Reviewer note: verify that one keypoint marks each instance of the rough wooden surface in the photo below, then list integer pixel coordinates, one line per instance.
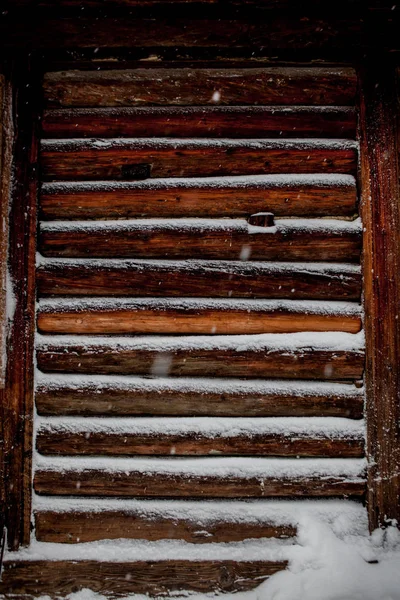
(137, 484)
(53, 441)
(105, 400)
(381, 215)
(87, 161)
(18, 394)
(198, 279)
(185, 87)
(167, 200)
(79, 527)
(158, 578)
(189, 320)
(203, 242)
(204, 121)
(303, 363)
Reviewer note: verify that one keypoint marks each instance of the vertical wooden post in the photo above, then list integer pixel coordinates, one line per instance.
(380, 209)
(18, 392)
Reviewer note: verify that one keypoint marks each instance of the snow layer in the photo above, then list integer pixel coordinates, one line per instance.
(210, 427)
(230, 181)
(324, 307)
(78, 144)
(264, 342)
(98, 383)
(352, 469)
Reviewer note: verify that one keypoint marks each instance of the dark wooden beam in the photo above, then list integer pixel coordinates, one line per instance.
(18, 395)
(380, 209)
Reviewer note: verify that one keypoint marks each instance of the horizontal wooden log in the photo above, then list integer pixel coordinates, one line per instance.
(79, 527)
(205, 121)
(196, 278)
(138, 484)
(35, 578)
(273, 85)
(303, 196)
(202, 357)
(211, 239)
(51, 440)
(194, 316)
(167, 157)
(141, 398)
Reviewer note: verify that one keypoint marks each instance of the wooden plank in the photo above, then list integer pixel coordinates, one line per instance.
(156, 578)
(18, 394)
(197, 278)
(205, 356)
(291, 196)
(185, 87)
(204, 121)
(53, 440)
(381, 215)
(138, 484)
(79, 527)
(335, 241)
(168, 157)
(143, 398)
(194, 316)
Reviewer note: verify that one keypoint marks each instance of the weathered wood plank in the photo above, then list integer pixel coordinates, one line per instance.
(205, 121)
(17, 401)
(292, 196)
(273, 85)
(381, 215)
(158, 578)
(78, 527)
(194, 316)
(168, 157)
(53, 440)
(335, 241)
(138, 484)
(251, 356)
(180, 398)
(201, 279)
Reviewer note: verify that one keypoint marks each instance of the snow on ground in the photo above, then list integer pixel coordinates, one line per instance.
(334, 559)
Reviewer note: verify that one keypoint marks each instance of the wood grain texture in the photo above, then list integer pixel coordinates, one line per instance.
(18, 394)
(136, 484)
(202, 242)
(166, 199)
(158, 578)
(381, 215)
(79, 527)
(128, 320)
(302, 363)
(113, 401)
(273, 85)
(71, 161)
(53, 442)
(193, 279)
(204, 121)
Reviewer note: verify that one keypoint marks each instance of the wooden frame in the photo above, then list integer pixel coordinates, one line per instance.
(379, 135)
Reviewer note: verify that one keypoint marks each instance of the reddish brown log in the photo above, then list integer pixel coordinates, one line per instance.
(202, 242)
(273, 85)
(106, 400)
(165, 199)
(302, 363)
(159, 578)
(380, 173)
(57, 442)
(205, 121)
(79, 527)
(198, 279)
(191, 321)
(86, 160)
(137, 484)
